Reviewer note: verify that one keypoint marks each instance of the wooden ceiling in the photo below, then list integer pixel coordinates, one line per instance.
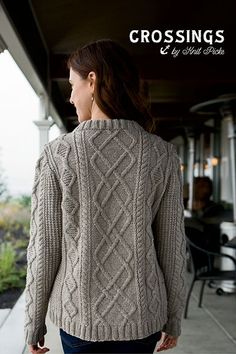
(51, 29)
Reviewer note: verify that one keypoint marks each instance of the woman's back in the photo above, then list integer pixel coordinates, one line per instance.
(107, 246)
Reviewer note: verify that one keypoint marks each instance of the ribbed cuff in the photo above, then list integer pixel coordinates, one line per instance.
(173, 327)
(33, 336)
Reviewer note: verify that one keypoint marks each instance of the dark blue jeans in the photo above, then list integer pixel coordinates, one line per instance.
(75, 345)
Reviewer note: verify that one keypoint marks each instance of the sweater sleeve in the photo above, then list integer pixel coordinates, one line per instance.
(44, 248)
(170, 242)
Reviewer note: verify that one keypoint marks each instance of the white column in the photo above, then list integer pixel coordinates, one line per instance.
(232, 140)
(43, 123)
(44, 126)
(201, 153)
(191, 171)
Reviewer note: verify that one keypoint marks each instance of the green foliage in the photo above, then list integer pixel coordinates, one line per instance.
(15, 215)
(24, 200)
(7, 258)
(3, 185)
(10, 276)
(21, 244)
(14, 238)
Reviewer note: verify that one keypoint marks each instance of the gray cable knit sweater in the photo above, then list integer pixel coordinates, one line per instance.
(106, 254)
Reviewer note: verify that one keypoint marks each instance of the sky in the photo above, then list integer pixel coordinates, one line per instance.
(19, 136)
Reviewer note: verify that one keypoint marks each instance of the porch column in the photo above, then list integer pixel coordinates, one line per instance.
(232, 140)
(191, 154)
(43, 123)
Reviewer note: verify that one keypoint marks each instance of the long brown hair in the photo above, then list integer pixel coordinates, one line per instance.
(117, 92)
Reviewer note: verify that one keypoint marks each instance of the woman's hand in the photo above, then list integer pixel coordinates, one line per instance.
(34, 348)
(167, 343)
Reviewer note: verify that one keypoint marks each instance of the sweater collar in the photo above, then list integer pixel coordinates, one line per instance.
(109, 124)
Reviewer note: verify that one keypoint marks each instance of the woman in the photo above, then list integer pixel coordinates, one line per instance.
(107, 245)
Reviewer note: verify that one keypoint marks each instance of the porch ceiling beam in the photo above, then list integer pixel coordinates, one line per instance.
(156, 68)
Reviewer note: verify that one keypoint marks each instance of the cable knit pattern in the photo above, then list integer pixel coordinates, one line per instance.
(106, 255)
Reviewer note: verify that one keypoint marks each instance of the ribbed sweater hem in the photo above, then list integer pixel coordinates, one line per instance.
(99, 333)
